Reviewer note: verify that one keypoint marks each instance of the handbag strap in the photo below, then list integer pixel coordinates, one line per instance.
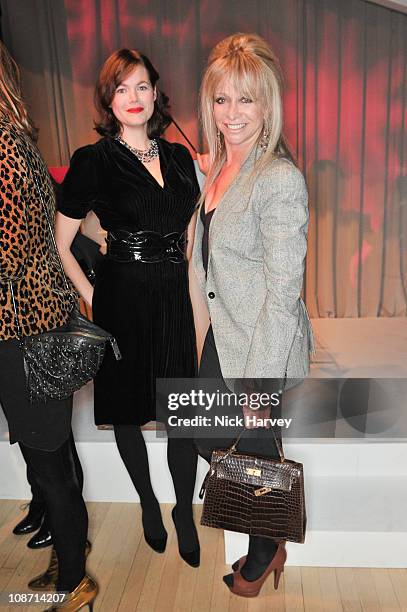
(28, 156)
(233, 447)
(17, 322)
(50, 230)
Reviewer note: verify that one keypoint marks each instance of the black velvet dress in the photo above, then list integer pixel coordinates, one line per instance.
(146, 306)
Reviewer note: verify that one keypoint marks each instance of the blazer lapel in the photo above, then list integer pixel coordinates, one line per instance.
(227, 204)
(234, 198)
(197, 250)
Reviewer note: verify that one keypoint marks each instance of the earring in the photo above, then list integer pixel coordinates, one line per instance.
(218, 141)
(264, 140)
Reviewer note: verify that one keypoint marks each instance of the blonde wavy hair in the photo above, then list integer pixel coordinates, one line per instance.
(12, 106)
(249, 65)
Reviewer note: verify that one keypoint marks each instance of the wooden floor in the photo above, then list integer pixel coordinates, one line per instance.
(132, 577)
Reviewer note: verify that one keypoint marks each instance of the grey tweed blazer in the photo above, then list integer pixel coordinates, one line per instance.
(257, 247)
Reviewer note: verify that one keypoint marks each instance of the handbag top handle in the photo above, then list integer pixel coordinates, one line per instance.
(233, 448)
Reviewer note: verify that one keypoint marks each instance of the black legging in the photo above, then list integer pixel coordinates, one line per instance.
(58, 476)
(43, 430)
(254, 441)
(37, 495)
(261, 550)
(182, 460)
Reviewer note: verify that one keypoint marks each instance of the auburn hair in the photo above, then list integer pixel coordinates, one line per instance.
(113, 72)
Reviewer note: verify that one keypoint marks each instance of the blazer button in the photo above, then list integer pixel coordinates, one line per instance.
(211, 295)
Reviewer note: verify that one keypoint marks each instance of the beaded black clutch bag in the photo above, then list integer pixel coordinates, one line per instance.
(59, 362)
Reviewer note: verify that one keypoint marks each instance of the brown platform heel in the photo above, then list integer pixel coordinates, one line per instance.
(244, 588)
(47, 580)
(84, 595)
(240, 562)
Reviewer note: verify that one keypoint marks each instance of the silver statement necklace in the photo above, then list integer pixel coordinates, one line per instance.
(146, 156)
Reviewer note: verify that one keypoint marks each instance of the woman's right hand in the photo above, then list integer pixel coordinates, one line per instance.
(89, 297)
(65, 231)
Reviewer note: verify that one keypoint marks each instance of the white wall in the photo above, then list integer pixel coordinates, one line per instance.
(396, 5)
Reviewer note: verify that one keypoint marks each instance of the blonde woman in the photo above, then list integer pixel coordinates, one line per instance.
(249, 251)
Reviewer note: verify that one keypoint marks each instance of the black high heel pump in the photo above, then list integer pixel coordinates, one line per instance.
(192, 557)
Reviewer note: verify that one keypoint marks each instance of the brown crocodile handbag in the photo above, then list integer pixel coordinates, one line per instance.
(255, 495)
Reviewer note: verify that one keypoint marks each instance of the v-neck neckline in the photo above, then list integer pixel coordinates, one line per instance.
(164, 186)
(251, 156)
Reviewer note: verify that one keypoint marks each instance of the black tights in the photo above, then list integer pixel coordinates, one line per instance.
(37, 494)
(261, 550)
(58, 476)
(261, 442)
(182, 460)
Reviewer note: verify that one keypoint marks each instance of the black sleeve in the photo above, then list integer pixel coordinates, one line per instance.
(80, 189)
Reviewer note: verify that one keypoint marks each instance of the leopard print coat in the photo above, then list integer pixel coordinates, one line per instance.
(26, 255)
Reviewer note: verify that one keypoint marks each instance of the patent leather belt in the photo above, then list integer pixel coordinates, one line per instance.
(146, 246)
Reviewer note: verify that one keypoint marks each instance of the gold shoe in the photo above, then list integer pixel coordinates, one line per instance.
(84, 595)
(47, 580)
